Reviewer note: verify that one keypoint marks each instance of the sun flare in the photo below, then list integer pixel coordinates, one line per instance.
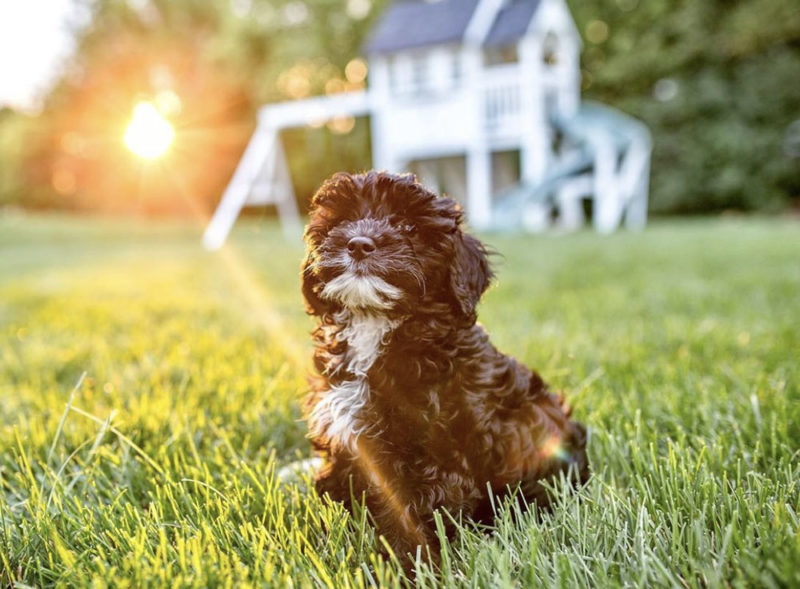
(149, 134)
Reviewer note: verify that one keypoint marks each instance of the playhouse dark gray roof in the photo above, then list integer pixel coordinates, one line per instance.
(511, 23)
(416, 23)
(407, 24)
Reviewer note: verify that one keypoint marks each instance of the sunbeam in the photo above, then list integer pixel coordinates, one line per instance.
(257, 297)
(398, 505)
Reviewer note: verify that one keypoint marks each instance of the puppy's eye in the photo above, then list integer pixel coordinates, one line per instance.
(402, 224)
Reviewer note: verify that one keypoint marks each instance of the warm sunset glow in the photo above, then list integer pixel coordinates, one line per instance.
(149, 134)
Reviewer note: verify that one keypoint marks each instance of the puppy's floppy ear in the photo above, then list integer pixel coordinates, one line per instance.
(470, 273)
(311, 285)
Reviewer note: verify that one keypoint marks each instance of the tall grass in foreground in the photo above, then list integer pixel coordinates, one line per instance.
(679, 347)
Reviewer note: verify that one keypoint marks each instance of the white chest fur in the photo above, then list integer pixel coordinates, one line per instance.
(338, 413)
(365, 335)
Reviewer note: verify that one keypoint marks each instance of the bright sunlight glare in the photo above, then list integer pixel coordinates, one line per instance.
(149, 134)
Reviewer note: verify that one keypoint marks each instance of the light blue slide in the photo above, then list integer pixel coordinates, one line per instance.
(593, 128)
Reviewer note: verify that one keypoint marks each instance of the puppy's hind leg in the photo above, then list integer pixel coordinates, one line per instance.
(567, 456)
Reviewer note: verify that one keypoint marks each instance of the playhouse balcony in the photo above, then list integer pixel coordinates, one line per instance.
(502, 104)
(426, 124)
(496, 109)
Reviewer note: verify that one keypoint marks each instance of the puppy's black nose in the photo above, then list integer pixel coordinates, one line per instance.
(360, 247)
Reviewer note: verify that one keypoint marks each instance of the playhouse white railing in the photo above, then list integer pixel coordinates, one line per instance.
(502, 100)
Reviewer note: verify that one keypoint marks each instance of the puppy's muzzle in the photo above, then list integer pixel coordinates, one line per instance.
(360, 247)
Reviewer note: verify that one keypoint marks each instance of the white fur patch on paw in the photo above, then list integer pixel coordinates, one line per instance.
(296, 471)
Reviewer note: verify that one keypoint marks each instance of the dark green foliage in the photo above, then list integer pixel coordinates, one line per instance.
(733, 69)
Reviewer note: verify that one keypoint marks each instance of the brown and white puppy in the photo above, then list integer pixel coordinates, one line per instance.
(414, 409)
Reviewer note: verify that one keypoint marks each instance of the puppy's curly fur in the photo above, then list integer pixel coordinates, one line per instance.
(414, 409)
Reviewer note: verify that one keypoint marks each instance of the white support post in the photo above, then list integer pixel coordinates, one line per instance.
(379, 91)
(479, 188)
(535, 140)
(286, 202)
(636, 213)
(479, 159)
(569, 196)
(607, 199)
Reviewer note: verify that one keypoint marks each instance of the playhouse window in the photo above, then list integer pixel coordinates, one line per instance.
(550, 49)
(501, 55)
(391, 66)
(455, 68)
(401, 74)
(420, 74)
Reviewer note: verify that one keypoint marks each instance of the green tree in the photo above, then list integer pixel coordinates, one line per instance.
(717, 81)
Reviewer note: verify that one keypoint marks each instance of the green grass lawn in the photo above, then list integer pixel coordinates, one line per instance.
(678, 347)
